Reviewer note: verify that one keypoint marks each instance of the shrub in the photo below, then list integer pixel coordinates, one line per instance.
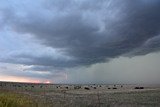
(86, 88)
(139, 88)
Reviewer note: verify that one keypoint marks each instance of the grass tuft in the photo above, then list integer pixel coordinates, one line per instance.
(8, 99)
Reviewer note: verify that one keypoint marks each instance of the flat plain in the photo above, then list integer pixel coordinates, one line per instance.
(14, 94)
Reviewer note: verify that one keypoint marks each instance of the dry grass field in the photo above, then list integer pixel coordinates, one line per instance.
(58, 95)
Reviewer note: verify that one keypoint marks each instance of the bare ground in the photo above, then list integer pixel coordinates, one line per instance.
(101, 96)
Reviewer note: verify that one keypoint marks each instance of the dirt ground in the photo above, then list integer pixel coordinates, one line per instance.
(92, 95)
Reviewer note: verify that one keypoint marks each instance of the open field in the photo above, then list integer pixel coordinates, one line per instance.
(58, 95)
(12, 99)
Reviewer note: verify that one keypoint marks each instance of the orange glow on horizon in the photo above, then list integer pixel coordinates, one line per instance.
(48, 82)
(22, 79)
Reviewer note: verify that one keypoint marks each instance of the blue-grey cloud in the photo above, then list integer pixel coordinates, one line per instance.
(25, 72)
(88, 32)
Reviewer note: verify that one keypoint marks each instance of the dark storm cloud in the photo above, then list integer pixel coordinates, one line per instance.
(151, 45)
(30, 74)
(45, 61)
(40, 68)
(24, 72)
(91, 31)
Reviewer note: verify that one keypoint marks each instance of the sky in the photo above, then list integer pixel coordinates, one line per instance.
(80, 41)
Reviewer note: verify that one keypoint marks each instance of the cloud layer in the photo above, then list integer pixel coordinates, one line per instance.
(80, 32)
